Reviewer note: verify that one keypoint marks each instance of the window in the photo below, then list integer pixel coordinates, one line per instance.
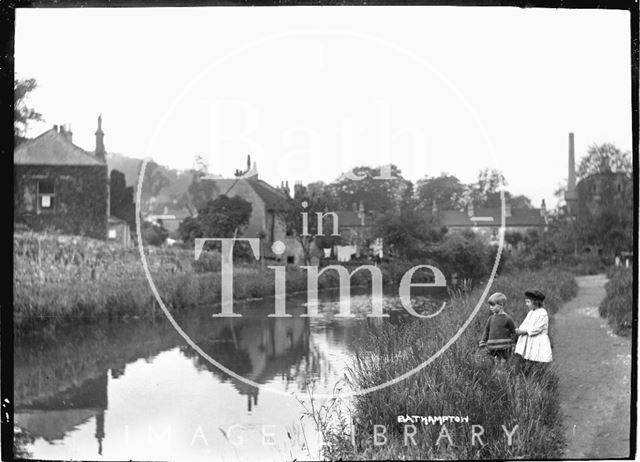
(46, 195)
(112, 234)
(290, 259)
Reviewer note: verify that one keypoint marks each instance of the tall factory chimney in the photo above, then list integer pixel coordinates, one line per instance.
(571, 196)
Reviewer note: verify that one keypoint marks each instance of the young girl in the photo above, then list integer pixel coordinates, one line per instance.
(533, 342)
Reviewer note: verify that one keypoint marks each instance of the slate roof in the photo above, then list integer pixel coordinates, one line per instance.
(52, 148)
(519, 217)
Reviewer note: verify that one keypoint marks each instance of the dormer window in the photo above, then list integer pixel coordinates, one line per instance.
(46, 195)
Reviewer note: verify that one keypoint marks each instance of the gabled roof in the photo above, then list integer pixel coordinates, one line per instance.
(52, 148)
(492, 218)
(273, 198)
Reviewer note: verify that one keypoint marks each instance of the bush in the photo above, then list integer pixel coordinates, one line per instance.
(463, 254)
(617, 306)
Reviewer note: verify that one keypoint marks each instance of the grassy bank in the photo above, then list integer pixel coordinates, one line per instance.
(617, 306)
(461, 382)
(67, 279)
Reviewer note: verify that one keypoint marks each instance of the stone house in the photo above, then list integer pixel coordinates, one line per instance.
(60, 186)
(268, 208)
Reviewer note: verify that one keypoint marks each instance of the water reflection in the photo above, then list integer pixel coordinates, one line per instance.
(110, 390)
(52, 418)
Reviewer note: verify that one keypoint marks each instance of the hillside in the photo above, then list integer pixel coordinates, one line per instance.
(173, 190)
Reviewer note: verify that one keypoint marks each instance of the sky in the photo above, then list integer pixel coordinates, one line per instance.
(311, 92)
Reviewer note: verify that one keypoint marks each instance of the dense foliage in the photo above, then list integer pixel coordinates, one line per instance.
(617, 305)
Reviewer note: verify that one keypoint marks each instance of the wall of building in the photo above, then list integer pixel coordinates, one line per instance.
(119, 233)
(81, 199)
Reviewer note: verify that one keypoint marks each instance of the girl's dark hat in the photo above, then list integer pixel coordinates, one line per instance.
(534, 295)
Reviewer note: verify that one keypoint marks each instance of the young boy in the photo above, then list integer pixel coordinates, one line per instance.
(500, 329)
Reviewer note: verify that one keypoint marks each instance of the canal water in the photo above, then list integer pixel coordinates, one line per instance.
(136, 390)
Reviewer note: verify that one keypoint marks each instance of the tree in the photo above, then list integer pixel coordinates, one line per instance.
(224, 216)
(23, 114)
(606, 219)
(201, 191)
(446, 190)
(153, 234)
(376, 194)
(309, 200)
(489, 183)
(200, 164)
(189, 230)
(520, 201)
(604, 158)
(121, 198)
(154, 181)
(406, 232)
(463, 254)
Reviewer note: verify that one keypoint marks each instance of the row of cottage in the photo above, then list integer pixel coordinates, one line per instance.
(60, 186)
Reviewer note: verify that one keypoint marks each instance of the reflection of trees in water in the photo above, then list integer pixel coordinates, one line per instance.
(254, 346)
(45, 367)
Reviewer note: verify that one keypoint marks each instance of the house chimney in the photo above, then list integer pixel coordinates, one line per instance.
(470, 209)
(543, 208)
(100, 151)
(70, 134)
(55, 127)
(248, 162)
(66, 133)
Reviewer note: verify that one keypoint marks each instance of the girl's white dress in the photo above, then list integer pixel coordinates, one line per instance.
(535, 346)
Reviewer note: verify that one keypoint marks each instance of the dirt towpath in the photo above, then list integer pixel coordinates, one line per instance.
(595, 376)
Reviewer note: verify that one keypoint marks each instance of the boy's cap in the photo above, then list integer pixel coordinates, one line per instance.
(498, 298)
